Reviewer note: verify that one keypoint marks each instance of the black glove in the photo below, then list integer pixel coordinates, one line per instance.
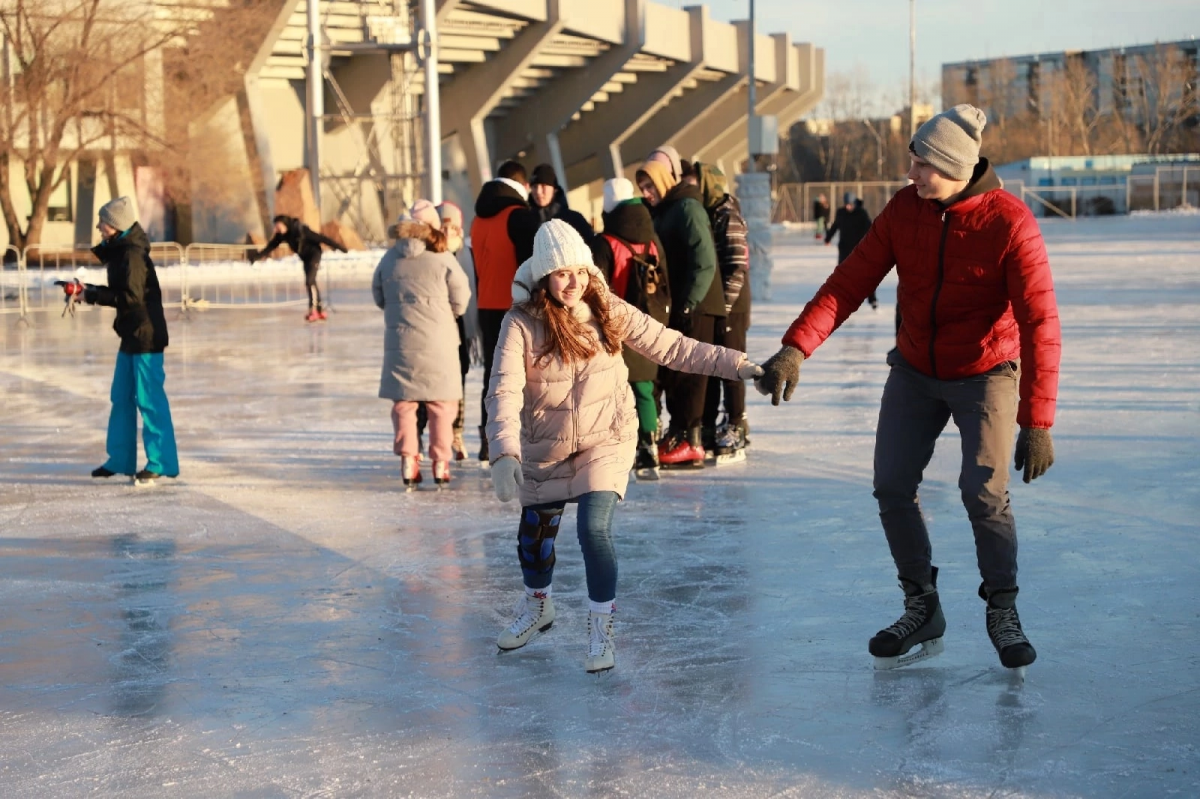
(683, 321)
(90, 294)
(253, 256)
(781, 373)
(1035, 452)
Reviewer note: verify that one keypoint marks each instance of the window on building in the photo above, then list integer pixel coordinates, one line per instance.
(61, 209)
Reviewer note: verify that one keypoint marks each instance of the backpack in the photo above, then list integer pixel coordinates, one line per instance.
(648, 289)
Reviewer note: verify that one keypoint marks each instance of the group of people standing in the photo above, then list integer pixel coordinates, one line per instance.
(579, 329)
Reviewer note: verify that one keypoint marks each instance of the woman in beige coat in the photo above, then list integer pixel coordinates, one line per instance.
(561, 420)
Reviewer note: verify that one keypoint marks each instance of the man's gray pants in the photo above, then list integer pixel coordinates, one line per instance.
(914, 411)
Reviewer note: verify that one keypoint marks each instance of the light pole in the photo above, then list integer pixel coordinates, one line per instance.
(750, 130)
(912, 69)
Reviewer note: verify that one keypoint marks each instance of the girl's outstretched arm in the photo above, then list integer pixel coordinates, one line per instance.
(506, 391)
(671, 348)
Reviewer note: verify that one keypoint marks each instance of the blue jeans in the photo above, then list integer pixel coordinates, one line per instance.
(594, 527)
(138, 386)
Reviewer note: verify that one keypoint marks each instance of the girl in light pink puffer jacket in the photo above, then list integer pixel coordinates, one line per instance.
(561, 420)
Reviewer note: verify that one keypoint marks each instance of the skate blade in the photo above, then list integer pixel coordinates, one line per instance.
(646, 474)
(536, 634)
(929, 649)
(681, 466)
(733, 457)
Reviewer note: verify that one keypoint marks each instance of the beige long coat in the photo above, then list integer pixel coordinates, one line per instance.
(574, 426)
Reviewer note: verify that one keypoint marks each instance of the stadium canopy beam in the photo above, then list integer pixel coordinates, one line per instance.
(769, 100)
(647, 113)
(477, 91)
(535, 124)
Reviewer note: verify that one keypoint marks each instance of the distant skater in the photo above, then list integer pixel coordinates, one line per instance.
(306, 243)
(821, 215)
(850, 225)
(138, 382)
(562, 426)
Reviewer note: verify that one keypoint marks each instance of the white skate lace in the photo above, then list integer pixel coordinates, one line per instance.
(529, 611)
(1004, 627)
(914, 616)
(727, 438)
(599, 637)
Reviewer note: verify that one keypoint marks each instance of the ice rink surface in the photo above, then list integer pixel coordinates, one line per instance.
(285, 621)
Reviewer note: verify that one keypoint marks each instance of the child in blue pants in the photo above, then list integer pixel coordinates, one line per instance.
(139, 377)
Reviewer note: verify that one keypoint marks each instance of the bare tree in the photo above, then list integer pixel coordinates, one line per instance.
(1166, 99)
(66, 65)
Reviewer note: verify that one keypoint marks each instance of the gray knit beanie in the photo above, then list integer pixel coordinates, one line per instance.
(119, 214)
(950, 141)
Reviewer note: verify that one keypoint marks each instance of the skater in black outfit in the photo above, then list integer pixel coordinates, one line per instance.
(850, 225)
(306, 243)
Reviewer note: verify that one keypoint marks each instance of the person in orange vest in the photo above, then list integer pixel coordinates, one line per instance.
(501, 240)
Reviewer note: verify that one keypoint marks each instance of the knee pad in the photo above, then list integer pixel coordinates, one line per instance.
(535, 539)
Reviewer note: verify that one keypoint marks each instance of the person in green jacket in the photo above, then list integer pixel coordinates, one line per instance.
(698, 301)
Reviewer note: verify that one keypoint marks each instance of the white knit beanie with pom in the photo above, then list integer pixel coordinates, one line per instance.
(557, 245)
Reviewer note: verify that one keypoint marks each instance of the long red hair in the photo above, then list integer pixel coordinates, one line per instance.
(566, 336)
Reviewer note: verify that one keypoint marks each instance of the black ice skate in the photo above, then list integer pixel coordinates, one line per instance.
(1004, 628)
(731, 444)
(645, 464)
(922, 623)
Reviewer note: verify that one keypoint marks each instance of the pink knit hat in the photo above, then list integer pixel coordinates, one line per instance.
(451, 211)
(427, 212)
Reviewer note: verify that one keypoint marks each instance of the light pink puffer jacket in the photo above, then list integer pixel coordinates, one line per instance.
(574, 426)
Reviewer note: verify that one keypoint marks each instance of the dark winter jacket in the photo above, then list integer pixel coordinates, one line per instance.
(558, 209)
(729, 238)
(820, 210)
(133, 290)
(975, 290)
(628, 227)
(683, 226)
(303, 240)
(851, 226)
(501, 240)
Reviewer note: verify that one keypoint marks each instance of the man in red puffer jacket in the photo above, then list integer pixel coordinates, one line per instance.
(979, 342)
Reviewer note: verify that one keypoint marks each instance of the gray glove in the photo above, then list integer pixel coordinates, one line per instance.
(1035, 452)
(781, 373)
(506, 476)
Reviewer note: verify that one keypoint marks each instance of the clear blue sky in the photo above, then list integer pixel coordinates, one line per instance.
(873, 34)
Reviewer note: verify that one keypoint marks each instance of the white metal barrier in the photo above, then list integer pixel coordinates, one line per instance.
(221, 276)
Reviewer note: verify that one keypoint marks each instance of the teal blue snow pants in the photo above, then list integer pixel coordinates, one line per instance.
(138, 386)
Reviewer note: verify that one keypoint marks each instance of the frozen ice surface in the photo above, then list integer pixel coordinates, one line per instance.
(284, 620)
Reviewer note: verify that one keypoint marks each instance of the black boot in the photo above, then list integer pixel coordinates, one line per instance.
(922, 623)
(483, 445)
(1004, 628)
(645, 464)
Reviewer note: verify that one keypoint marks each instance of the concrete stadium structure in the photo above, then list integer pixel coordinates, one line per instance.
(588, 86)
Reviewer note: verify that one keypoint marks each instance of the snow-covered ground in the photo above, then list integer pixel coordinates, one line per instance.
(283, 620)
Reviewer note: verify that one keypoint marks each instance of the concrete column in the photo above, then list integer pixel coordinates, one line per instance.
(754, 194)
(468, 100)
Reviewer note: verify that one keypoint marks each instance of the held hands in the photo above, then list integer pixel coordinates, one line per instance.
(1035, 452)
(506, 476)
(781, 373)
(748, 370)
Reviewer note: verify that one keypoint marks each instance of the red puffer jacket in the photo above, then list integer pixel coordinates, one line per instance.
(975, 290)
